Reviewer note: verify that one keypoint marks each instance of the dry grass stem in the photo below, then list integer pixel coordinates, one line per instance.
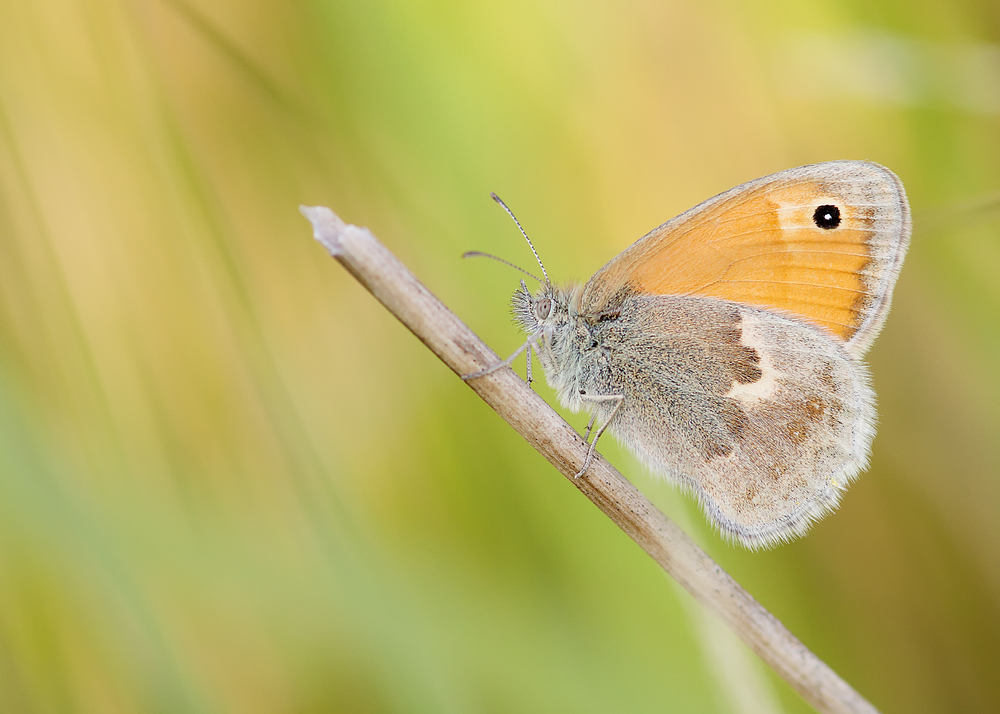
(459, 348)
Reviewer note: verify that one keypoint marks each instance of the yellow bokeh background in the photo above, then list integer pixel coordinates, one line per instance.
(231, 482)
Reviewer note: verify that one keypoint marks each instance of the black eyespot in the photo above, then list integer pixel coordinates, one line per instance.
(543, 308)
(583, 391)
(827, 216)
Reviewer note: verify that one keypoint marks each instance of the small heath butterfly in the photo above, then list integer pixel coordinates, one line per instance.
(724, 347)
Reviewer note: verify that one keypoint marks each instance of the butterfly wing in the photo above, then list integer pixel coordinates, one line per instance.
(823, 242)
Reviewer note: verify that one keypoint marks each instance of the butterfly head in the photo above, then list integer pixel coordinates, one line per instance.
(544, 311)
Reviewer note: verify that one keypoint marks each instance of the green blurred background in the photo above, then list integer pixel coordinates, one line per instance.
(231, 482)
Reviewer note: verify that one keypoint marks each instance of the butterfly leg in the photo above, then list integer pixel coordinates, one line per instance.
(528, 369)
(617, 399)
(531, 341)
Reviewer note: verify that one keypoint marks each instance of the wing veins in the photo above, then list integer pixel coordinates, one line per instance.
(792, 282)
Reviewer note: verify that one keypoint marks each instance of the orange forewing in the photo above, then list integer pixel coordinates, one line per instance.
(759, 244)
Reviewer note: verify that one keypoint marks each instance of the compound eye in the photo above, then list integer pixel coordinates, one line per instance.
(543, 308)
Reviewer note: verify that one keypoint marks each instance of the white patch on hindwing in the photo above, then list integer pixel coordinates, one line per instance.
(765, 387)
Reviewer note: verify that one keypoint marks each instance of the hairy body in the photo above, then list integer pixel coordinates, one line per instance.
(761, 415)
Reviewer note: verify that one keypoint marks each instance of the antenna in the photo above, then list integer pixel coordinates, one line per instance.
(480, 254)
(511, 214)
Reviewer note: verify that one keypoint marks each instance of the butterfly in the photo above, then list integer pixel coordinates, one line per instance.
(724, 347)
